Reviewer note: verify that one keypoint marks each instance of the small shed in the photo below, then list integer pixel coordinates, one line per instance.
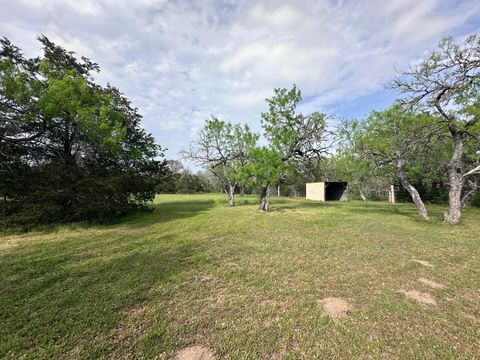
(327, 191)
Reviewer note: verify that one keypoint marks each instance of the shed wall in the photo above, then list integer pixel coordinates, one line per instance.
(316, 191)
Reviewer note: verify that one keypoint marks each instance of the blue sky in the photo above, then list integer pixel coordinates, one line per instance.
(180, 61)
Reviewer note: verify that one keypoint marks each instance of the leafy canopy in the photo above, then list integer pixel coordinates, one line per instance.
(70, 149)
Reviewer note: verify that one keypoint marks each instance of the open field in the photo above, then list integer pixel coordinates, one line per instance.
(245, 284)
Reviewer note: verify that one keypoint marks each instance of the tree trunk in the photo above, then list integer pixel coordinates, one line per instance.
(362, 196)
(263, 199)
(455, 179)
(467, 198)
(231, 194)
(242, 190)
(417, 200)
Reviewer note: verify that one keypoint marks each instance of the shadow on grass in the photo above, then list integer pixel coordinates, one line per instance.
(154, 214)
(352, 207)
(65, 295)
(168, 211)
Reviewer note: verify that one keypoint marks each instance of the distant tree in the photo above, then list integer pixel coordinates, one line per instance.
(476, 200)
(69, 148)
(178, 179)
(389, 139)
(168, 180)
(296, 175)
(176, 166)
(448, 81)
(265, 166)
(210, 183)
(189, 183)
(222, 149)
(472, 190)
(361, 174)
(292, 137)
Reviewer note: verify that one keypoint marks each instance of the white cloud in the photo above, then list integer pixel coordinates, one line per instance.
(281, 16)
(180, 61)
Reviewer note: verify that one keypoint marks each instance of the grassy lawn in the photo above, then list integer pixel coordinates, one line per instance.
(244, 284)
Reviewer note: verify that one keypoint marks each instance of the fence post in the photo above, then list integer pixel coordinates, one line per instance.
(391, 194)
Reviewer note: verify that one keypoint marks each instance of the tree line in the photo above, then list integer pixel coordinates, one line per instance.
(430, 137)
(178, 179)
(71, 149)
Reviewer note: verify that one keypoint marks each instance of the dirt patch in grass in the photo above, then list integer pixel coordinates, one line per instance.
(194, 353)
(335, 307)
(432, 284)
(423, 262)
(422, 298)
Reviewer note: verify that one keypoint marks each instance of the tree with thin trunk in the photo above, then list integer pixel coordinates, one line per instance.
(448, 81)
(390, 141)
(222, 149)
(265, 167)
(292, 137)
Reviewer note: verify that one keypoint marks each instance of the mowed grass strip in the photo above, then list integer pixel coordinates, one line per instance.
(245, 284)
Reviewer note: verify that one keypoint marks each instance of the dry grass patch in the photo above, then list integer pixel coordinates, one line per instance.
(420, 297)
(194, 353)
(335, 307)
(432, 284)
(423, 262)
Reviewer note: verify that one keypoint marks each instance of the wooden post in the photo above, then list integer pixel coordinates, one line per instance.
(391, 194)
(278, 190)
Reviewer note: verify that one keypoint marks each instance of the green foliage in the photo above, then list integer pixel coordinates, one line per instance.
(476, 201)
(230, 151)
(189, 183)
(385, 135)
(264, 168)
(293, 140)
(397, 136)
(293, 135)
(69, 148)
(448, 81)
(222, 148)
(177, 179)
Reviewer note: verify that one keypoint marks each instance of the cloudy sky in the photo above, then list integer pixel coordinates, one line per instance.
(180, 61)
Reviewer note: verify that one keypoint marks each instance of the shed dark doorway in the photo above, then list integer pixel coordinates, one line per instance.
(336, 191)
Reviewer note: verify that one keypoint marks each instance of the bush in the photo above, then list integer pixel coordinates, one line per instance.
(476, 201)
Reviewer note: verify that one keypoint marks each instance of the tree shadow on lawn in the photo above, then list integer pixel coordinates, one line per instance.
(435, 211)
(64, 297)
(357, 207)
(154, 214)
(168, 211)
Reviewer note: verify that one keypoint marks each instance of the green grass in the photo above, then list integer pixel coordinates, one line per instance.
(245, 284)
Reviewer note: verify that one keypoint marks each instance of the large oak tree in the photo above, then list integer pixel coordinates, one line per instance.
(70, 149)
